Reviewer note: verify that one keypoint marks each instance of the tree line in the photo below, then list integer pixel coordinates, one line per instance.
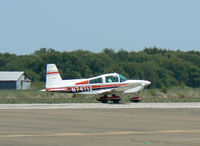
(160, 66)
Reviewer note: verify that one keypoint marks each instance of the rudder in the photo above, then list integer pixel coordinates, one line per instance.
(53, 77)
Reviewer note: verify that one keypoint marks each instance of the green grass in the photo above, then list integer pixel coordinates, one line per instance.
(31, 96)
(175, 94)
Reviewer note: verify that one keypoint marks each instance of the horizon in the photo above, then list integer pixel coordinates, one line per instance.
(114, 50)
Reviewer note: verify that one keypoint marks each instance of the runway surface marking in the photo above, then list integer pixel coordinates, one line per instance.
(40, 134)
(145, 141)
(150, 141)
(100, 105)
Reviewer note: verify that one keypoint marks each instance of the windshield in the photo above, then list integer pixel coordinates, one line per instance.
(122, 78)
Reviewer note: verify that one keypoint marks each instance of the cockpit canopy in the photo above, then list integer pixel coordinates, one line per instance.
(96, 80)
(112, 78)
(108, 78)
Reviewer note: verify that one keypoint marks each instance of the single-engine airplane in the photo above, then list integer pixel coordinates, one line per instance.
(104, 85)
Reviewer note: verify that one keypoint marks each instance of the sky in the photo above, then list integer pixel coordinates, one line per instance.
(66, 25)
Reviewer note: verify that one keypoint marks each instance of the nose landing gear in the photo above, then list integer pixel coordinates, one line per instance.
(136, 99)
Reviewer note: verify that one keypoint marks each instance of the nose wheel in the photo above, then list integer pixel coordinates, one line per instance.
(136, 99)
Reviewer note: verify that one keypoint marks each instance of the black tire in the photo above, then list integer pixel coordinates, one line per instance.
(116, 101)
(136, 101)
(104, 101)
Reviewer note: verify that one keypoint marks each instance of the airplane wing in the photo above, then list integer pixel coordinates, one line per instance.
(129, 88)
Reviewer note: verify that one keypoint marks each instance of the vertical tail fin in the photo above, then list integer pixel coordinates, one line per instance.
(53, 77)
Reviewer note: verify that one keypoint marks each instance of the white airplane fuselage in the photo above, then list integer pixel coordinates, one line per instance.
(90, 85)
(112, 83)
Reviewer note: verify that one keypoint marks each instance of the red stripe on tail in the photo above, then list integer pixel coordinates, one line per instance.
(52, 72)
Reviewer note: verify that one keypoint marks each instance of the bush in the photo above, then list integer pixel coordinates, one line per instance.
(164, 89)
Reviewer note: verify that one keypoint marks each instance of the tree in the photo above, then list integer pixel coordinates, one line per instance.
(164, 68)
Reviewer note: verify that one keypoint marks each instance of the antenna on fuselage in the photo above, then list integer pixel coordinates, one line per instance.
(79, 75)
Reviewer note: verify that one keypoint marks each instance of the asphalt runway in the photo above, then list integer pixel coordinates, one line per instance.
(100, 127)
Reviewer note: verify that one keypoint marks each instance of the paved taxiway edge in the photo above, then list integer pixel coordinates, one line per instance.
(99, 105)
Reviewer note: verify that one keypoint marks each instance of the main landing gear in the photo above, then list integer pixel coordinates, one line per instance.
(116, 99)
(103, 99)
(113, 98)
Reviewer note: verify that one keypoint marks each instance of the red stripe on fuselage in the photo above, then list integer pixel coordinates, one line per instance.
(107, 86)
(83, 82)
(93, 87)
(52, 72)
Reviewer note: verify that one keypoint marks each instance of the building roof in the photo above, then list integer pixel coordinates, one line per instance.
(10, 75)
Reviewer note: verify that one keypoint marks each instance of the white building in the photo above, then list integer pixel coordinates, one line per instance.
(14, 80)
